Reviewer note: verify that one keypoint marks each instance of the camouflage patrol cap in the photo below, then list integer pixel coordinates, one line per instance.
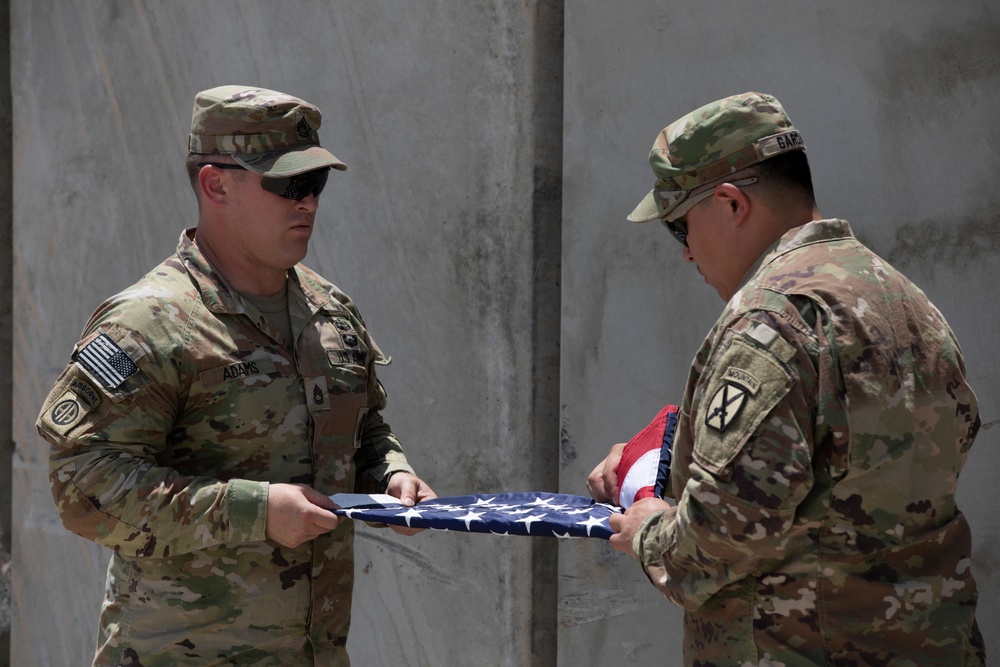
(711, 143)
(269, 133)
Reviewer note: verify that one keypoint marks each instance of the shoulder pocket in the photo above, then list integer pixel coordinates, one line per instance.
(104, 375)
(748, 382)
(72, 398)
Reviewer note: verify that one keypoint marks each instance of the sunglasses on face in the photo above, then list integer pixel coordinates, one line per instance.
(296, 187)
(678, 228)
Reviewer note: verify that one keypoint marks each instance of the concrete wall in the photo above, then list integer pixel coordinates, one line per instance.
(897, 104)
(480, 227)
(6, 331)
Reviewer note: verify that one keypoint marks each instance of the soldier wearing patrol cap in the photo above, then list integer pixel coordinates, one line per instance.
(825, 422)
(210, 410)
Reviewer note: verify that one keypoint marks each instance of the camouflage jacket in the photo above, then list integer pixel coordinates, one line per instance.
(179, 407)
(823, 428)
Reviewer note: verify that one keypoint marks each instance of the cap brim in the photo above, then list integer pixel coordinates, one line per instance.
(289, 162)
(648, 209)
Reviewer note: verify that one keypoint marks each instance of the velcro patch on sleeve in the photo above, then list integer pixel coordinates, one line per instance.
(748, 384)
(66, 412)
(106, 362)
(86, 392)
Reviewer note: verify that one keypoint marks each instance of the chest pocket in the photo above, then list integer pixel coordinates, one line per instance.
(347, 356)
(336, 380)
(749, 380)
(342, 383)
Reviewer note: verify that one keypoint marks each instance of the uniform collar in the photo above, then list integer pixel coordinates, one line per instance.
(815, 231)
(219, 297)
(215, 292)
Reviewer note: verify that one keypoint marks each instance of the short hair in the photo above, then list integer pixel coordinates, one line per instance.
(788, 173)
(191, 165)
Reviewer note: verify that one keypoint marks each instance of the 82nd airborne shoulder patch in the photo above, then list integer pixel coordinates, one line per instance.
(74, 404)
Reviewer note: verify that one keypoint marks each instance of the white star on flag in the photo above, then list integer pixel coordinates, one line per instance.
(527, 521)
(590, 523)
(410, 513)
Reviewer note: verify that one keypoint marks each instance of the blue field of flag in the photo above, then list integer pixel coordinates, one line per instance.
(523, 513)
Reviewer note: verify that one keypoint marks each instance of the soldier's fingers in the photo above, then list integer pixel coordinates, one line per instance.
(595, 483)
(424, 491)
(325, 521)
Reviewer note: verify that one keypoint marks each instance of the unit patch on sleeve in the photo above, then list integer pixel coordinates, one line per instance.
(78, 400)
(745, 385)
(86, 392)
(744, 379)
(729, 399)
(725, 406)
(106, 362)
(66, 411)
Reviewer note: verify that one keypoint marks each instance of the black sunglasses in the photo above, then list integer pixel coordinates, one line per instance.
(679, 229)
(296, 187)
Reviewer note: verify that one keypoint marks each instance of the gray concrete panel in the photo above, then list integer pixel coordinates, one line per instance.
(6, 335)
(897, 104)
(440, 230)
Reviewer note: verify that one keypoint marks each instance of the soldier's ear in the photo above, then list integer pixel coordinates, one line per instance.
(736, 201)
(213, 183)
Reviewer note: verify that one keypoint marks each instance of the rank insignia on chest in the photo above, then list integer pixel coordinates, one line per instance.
(725, 406)
(316, 393)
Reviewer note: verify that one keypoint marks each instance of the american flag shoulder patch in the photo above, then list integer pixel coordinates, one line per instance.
(106, 362)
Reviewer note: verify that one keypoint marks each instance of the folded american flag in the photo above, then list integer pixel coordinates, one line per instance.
(644, 469)
(643, 472)
(523, 513)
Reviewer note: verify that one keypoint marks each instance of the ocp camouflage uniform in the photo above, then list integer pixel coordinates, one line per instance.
(180, 406)
(823, 428)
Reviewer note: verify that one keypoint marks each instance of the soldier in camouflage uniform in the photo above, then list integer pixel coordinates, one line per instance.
(210, 409)
(823, 428)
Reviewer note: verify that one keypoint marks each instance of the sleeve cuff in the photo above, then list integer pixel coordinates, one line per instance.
(371, 481)
(639, 548)
(247, 503)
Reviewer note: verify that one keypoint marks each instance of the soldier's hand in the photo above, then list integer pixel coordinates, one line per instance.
(602, 482)
(297, 513)
(627, 524)
(410, 490)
